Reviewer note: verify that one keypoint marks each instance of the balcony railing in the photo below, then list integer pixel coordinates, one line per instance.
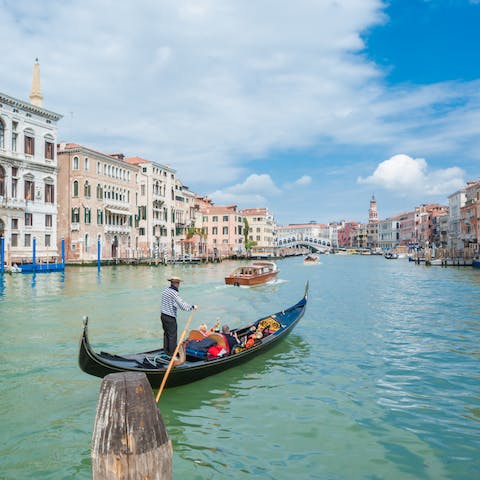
(12, 202)
(74, 227)
(117, 229)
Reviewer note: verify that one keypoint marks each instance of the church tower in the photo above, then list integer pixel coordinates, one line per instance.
(36, 95)
(373, 212)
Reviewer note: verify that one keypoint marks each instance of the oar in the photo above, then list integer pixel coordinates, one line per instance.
(172, 360)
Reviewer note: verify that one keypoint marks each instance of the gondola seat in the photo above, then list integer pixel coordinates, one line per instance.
(220, 340)
(195, 335)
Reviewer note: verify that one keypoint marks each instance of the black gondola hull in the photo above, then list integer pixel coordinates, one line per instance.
(102, 364)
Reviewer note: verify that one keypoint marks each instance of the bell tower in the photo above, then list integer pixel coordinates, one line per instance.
(373, 212)
(36, 95)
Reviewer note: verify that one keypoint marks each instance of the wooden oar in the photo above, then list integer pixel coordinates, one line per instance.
(172, 360)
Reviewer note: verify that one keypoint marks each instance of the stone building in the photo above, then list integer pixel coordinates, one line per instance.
(469, 214)
(97, 202)
(222, 228)
(155, 208)
(261, 224)
(28, 177)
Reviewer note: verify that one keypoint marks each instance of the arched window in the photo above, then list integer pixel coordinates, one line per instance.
(99, 192)
(75, 188)
(86, 189)
(75, 215)
(75, 163)
(2, 179)
(2, 135)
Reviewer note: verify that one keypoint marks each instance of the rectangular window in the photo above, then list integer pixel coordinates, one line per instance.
(29, 145)
(49, 150)
(99, 217)
(29, 190)
(48, 220)
(14, 141)
(14, 187)
(27, 240)
(141, 231)
(225, 230)
(47, 240)
(214, 218)
(225, 218)
(214, 230)
(28, 219)
(14, 240)
(49, 193)
(86, 215)
(14, 223)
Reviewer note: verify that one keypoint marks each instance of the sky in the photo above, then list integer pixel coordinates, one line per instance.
(307, 108)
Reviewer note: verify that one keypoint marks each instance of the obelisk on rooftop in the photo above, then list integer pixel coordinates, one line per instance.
(36, 95)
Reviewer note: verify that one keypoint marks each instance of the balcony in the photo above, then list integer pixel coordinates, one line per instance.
(14, 203)
(121, 229)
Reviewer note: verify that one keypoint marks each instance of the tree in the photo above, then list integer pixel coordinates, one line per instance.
(246, 230)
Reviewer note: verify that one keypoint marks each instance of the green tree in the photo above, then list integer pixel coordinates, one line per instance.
(246, 230)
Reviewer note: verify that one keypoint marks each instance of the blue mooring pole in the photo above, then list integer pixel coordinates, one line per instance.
(2, 255)
(98, 254)
(34, 254)
(63, 252)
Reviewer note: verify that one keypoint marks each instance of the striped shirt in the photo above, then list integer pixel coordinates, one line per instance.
(171, 301)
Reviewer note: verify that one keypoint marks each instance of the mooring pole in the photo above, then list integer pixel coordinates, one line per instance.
(129, 440)
(34, 255)
(2, 255)
(98, 254)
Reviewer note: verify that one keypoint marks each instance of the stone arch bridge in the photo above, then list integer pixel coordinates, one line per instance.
(314, 243)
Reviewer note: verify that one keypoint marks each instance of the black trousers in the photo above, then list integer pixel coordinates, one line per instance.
(169, 333)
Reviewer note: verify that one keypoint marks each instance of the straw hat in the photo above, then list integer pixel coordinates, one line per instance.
(175, 280)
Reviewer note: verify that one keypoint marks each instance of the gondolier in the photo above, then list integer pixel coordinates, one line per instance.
(171, 301)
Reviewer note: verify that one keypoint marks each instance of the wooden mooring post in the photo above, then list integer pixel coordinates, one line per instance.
(129, 439)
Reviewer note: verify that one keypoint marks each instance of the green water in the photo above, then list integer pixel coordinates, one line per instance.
(380, 380)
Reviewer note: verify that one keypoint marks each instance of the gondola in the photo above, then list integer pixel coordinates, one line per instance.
(196, 365)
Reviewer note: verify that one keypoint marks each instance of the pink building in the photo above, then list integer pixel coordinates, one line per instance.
(223, 229)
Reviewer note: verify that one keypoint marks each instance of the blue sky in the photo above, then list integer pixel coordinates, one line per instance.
(305, 107)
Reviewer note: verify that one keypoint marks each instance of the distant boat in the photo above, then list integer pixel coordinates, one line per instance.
(187, 259)
(253, 274)
(310, 259)
(391, 255)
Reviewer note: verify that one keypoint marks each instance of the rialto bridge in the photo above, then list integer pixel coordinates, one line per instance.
(313, 243)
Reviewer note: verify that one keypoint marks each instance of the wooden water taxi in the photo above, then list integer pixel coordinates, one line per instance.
(253, 274)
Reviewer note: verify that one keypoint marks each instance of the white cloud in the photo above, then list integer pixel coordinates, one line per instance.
(213, 87)
(404, 174)
(304, 180)
(254, 191)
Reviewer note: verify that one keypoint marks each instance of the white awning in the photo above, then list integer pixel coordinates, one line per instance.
(118, 211)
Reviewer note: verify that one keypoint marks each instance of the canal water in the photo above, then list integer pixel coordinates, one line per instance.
(380, 379)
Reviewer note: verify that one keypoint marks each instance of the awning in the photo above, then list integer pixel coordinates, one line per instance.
(118, 211)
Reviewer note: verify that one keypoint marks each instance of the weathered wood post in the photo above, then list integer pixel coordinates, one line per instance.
(129, 439)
